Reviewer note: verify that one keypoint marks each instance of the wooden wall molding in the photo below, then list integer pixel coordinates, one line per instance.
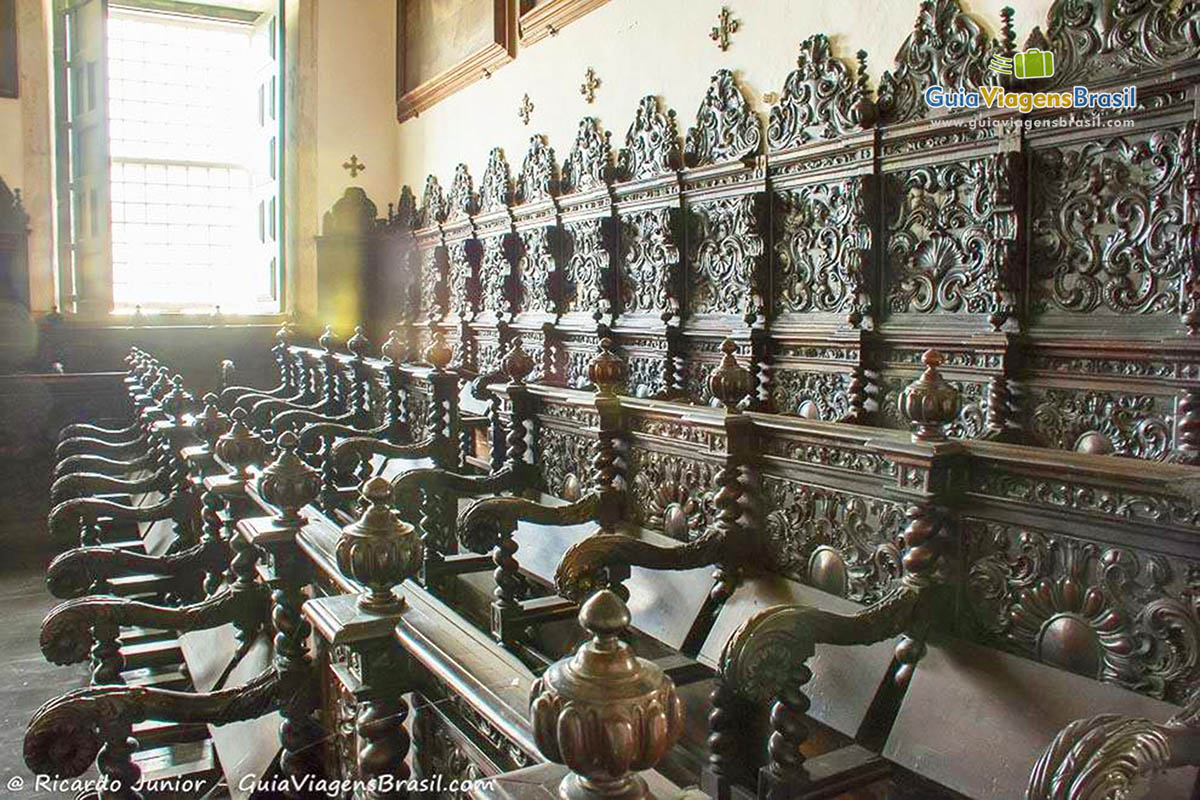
(548, 18)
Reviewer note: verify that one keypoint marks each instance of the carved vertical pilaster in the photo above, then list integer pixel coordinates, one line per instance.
(1187, 428)
(298, 733)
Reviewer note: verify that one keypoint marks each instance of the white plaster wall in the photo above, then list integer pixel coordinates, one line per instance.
(355, 99)
(640, 47)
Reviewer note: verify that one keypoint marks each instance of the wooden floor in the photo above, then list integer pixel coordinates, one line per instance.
(26, 679)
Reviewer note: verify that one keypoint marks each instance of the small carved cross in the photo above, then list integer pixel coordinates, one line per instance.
(589, 85)
(354, 165)
(720, 34)
(526, 109)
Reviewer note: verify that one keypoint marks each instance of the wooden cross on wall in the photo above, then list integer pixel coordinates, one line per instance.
(728, 25)
(354, 165)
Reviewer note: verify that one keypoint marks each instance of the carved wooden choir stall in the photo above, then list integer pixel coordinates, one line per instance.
(852, 458)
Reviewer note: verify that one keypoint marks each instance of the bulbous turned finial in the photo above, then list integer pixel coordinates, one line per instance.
(358, 344)
(210, 424)
(606, 370)
(730, 382)
(284, 335)
(930, 401)
(379, 550)
(162, 384)
(437, 354)
(394, 349)
(328, 340)
(604, 712)
(288, 483)
(517, 364)
(239, 447)
(177, 401)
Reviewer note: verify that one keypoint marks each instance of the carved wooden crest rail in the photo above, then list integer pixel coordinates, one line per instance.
(1055, 265)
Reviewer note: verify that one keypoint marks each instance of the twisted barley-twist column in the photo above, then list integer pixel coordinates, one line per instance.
(296, 734)
(119, 773)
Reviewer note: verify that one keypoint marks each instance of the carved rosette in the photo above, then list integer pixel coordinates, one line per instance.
(820, 100)
(240, 447)
(588, 165)
(288, 483)
(947, 48)
(930, 401)
(726, 129)
(379, 550)
(651, 144)
(604, 712)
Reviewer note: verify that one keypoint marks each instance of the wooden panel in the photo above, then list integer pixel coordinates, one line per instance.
(445, 46)
(963, 695)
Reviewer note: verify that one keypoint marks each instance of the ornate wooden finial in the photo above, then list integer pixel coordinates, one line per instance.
(606, 370)
(239, 447)
(438, 355)
(379, 550)
(211, 424)
(517, 364)
(730, 382)
(177, 401)
(605, 713)
(328, 339)
(394, 349)
(358, 344)
(930, 401)
(288, 483)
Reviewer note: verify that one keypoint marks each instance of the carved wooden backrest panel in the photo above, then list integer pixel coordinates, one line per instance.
(1057, 267)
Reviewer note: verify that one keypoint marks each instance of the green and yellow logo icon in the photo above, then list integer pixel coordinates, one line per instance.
(1032, 63)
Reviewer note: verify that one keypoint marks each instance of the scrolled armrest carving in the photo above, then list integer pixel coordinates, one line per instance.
(71, 574)
(309, 417)
(84, 445)
(363, 447)
(69, 511)
(77, 484)
(65, 735)
(103, 465)
(479, 524)
(66, 636)
(762, 653)
(582, 570)
(434, 478)
(1110, 756)
(96, 432)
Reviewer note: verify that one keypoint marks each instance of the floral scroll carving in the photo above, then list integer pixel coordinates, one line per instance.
(726, 256)
(1106, 218)
(538, 180)
(495, 192)
(1123, 616)
(1097, 41)
(945, 254)
(812, 395)
(565, 459)
(461, 200)
(726, 128)
(537, 266)
(587, 167)
(433, 204)
(1102, 423)
(588, 266)
(651, 145)
(947, 48)
(649, 263)
(820, 100)
(841, 543)
(822, 244)
(671, 494)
